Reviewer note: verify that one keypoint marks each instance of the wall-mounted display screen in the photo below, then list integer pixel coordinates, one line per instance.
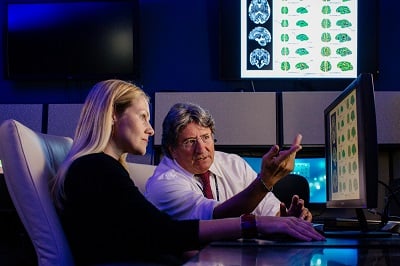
(72, 40)
(299, 39)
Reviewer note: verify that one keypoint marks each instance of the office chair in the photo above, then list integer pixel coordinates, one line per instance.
(290, 185)
(29, 160)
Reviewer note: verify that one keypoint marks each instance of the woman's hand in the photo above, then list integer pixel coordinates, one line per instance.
(294, 227)
(277, 164)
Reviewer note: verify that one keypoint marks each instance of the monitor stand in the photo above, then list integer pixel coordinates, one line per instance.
(362, 220)
(363, 232)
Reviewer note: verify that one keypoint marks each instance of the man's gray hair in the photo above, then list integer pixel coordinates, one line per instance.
(178, 117)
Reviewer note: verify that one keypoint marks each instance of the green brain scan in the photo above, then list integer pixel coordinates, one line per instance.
(302, 51)
(301, 66)
(326, 66)
(285, 66)
(343, 37)
(326, 23)
(326, 37)
(345, 66)
(302, 37)
(285, 51)
(343, 51)
(343, 23)
(325, 51)
(302, 10)
(284, 37)
(343, 10)
(302, 23)
(326, 10)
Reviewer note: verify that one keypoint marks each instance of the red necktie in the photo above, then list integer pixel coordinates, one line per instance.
(205, 179)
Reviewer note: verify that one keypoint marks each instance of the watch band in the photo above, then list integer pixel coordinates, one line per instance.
(249, 226)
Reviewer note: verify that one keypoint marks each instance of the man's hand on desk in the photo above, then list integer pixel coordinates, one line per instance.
(296, 209)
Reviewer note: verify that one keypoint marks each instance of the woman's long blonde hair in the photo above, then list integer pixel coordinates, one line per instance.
(95, 124)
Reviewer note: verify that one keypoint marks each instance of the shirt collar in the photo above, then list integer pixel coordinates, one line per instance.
(214, 171)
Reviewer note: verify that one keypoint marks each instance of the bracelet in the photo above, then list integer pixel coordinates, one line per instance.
(248, 225)
(265, 185)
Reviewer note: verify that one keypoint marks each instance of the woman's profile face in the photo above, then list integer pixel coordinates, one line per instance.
(132, 128)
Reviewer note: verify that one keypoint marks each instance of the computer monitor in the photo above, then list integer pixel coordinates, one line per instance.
(351, 148)
(312, 168)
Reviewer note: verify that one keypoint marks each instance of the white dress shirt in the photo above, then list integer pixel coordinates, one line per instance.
(179, 193)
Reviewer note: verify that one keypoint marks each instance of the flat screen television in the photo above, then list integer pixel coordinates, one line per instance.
(300, 39)
(85, 40)
(351, 148)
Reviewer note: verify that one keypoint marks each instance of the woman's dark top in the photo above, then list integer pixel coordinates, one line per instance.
(107, 219)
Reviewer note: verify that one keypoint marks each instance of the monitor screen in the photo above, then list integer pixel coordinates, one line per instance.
(72, 40)
(351, 147)
(297, 39)
(313, 169)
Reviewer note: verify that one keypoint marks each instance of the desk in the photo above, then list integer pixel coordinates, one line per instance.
(366, 252)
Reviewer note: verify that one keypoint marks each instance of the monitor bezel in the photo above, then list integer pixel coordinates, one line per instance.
(367, 144)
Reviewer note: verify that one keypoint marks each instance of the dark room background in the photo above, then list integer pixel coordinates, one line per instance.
(179, 49)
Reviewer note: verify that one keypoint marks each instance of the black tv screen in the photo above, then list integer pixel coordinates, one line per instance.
(72, 40)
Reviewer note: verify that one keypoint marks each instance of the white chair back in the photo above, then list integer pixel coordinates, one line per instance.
(29, 160)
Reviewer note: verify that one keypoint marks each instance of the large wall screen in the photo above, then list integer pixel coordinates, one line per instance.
(299, 39)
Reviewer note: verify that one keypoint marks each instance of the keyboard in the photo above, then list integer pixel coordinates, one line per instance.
(349, 228)
(345, 224)
(356, 234)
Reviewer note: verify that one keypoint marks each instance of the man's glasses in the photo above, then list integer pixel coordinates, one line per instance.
(190, 143)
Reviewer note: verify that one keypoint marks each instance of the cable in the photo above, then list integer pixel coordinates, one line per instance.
(392, 196)
(252, 86)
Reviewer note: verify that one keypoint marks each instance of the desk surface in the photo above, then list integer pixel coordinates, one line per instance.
(343, 252)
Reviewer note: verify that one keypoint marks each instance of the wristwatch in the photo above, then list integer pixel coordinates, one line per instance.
(249, 226)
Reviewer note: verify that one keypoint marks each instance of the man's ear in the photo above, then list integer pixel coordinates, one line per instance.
(171, 151)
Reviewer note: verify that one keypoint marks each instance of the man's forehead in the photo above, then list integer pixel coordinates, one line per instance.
(192, 130)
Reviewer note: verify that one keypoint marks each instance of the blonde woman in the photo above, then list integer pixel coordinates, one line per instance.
(106, 218)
